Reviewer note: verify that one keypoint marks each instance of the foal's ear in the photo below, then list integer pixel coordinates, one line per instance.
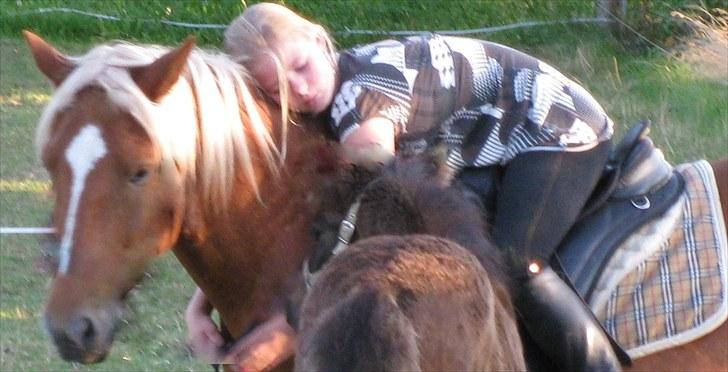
(438, 156)
(158, 77)
(52, 63)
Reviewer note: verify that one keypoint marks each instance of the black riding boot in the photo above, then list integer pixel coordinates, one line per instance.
(559, 322)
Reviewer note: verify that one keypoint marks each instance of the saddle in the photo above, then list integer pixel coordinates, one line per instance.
(638, 186)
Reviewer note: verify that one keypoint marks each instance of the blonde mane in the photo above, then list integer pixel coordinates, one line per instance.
(202, 111)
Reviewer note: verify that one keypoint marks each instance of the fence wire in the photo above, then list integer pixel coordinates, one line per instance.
(345, 32)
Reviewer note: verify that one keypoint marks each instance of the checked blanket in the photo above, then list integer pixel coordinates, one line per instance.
(667, 285)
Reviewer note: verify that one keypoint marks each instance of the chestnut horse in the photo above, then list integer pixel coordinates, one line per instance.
(420, 289)
(151, 149)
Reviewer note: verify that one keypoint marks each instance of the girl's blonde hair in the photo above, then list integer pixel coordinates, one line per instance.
(260, 28)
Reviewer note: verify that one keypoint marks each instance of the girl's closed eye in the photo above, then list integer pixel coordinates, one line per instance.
(302, 66)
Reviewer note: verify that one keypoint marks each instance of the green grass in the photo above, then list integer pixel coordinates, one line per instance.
(689, 113)
(152, 340)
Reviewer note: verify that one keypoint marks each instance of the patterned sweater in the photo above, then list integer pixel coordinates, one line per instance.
(488, 102)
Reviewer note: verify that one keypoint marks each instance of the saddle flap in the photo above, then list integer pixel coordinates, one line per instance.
(592, 241)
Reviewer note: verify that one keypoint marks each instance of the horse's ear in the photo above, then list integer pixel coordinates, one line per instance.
(158, 77)
(52, 63)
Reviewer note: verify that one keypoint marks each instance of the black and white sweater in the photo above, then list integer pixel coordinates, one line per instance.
(488, 102)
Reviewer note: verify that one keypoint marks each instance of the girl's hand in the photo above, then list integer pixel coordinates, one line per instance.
(203, 336)
(267, 346)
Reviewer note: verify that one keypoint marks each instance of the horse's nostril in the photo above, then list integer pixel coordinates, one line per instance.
(89, 333)
(82, 331)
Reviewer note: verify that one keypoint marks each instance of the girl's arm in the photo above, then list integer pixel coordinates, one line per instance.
(268, 345)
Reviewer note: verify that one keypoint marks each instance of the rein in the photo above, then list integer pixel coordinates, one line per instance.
(346, 231)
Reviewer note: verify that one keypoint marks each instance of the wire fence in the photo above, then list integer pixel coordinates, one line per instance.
(345, 32)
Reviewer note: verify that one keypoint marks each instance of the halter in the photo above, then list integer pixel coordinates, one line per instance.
(346, 231)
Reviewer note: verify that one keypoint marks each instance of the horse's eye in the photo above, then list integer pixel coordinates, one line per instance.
(139, 176)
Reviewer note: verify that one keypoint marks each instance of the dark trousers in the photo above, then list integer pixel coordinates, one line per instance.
(540, 196)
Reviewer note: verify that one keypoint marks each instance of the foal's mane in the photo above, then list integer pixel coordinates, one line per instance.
(210, 108)
(416, 195)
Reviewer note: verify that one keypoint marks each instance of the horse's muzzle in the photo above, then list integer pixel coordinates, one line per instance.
(85, 338)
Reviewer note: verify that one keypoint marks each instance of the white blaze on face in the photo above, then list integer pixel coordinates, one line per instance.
(82, 154)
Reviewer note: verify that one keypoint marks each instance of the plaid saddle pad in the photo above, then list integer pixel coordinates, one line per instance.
(667, 285)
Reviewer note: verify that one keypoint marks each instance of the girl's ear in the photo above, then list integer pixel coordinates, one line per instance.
(320, 33)
(320, 38)
(323, 41)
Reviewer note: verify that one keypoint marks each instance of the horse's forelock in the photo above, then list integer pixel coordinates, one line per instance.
(105, 67)
(214, 85)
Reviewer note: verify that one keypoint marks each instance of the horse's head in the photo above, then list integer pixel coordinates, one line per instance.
(119, 201)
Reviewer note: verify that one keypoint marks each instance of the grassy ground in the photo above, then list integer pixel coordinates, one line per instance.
(687, 106)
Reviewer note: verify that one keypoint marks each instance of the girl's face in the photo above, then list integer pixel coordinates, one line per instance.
(310, 75)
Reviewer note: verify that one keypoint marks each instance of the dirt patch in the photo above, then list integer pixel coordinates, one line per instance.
(707, 48)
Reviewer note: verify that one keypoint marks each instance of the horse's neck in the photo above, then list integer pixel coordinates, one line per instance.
(720, 169)
(242, 260)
